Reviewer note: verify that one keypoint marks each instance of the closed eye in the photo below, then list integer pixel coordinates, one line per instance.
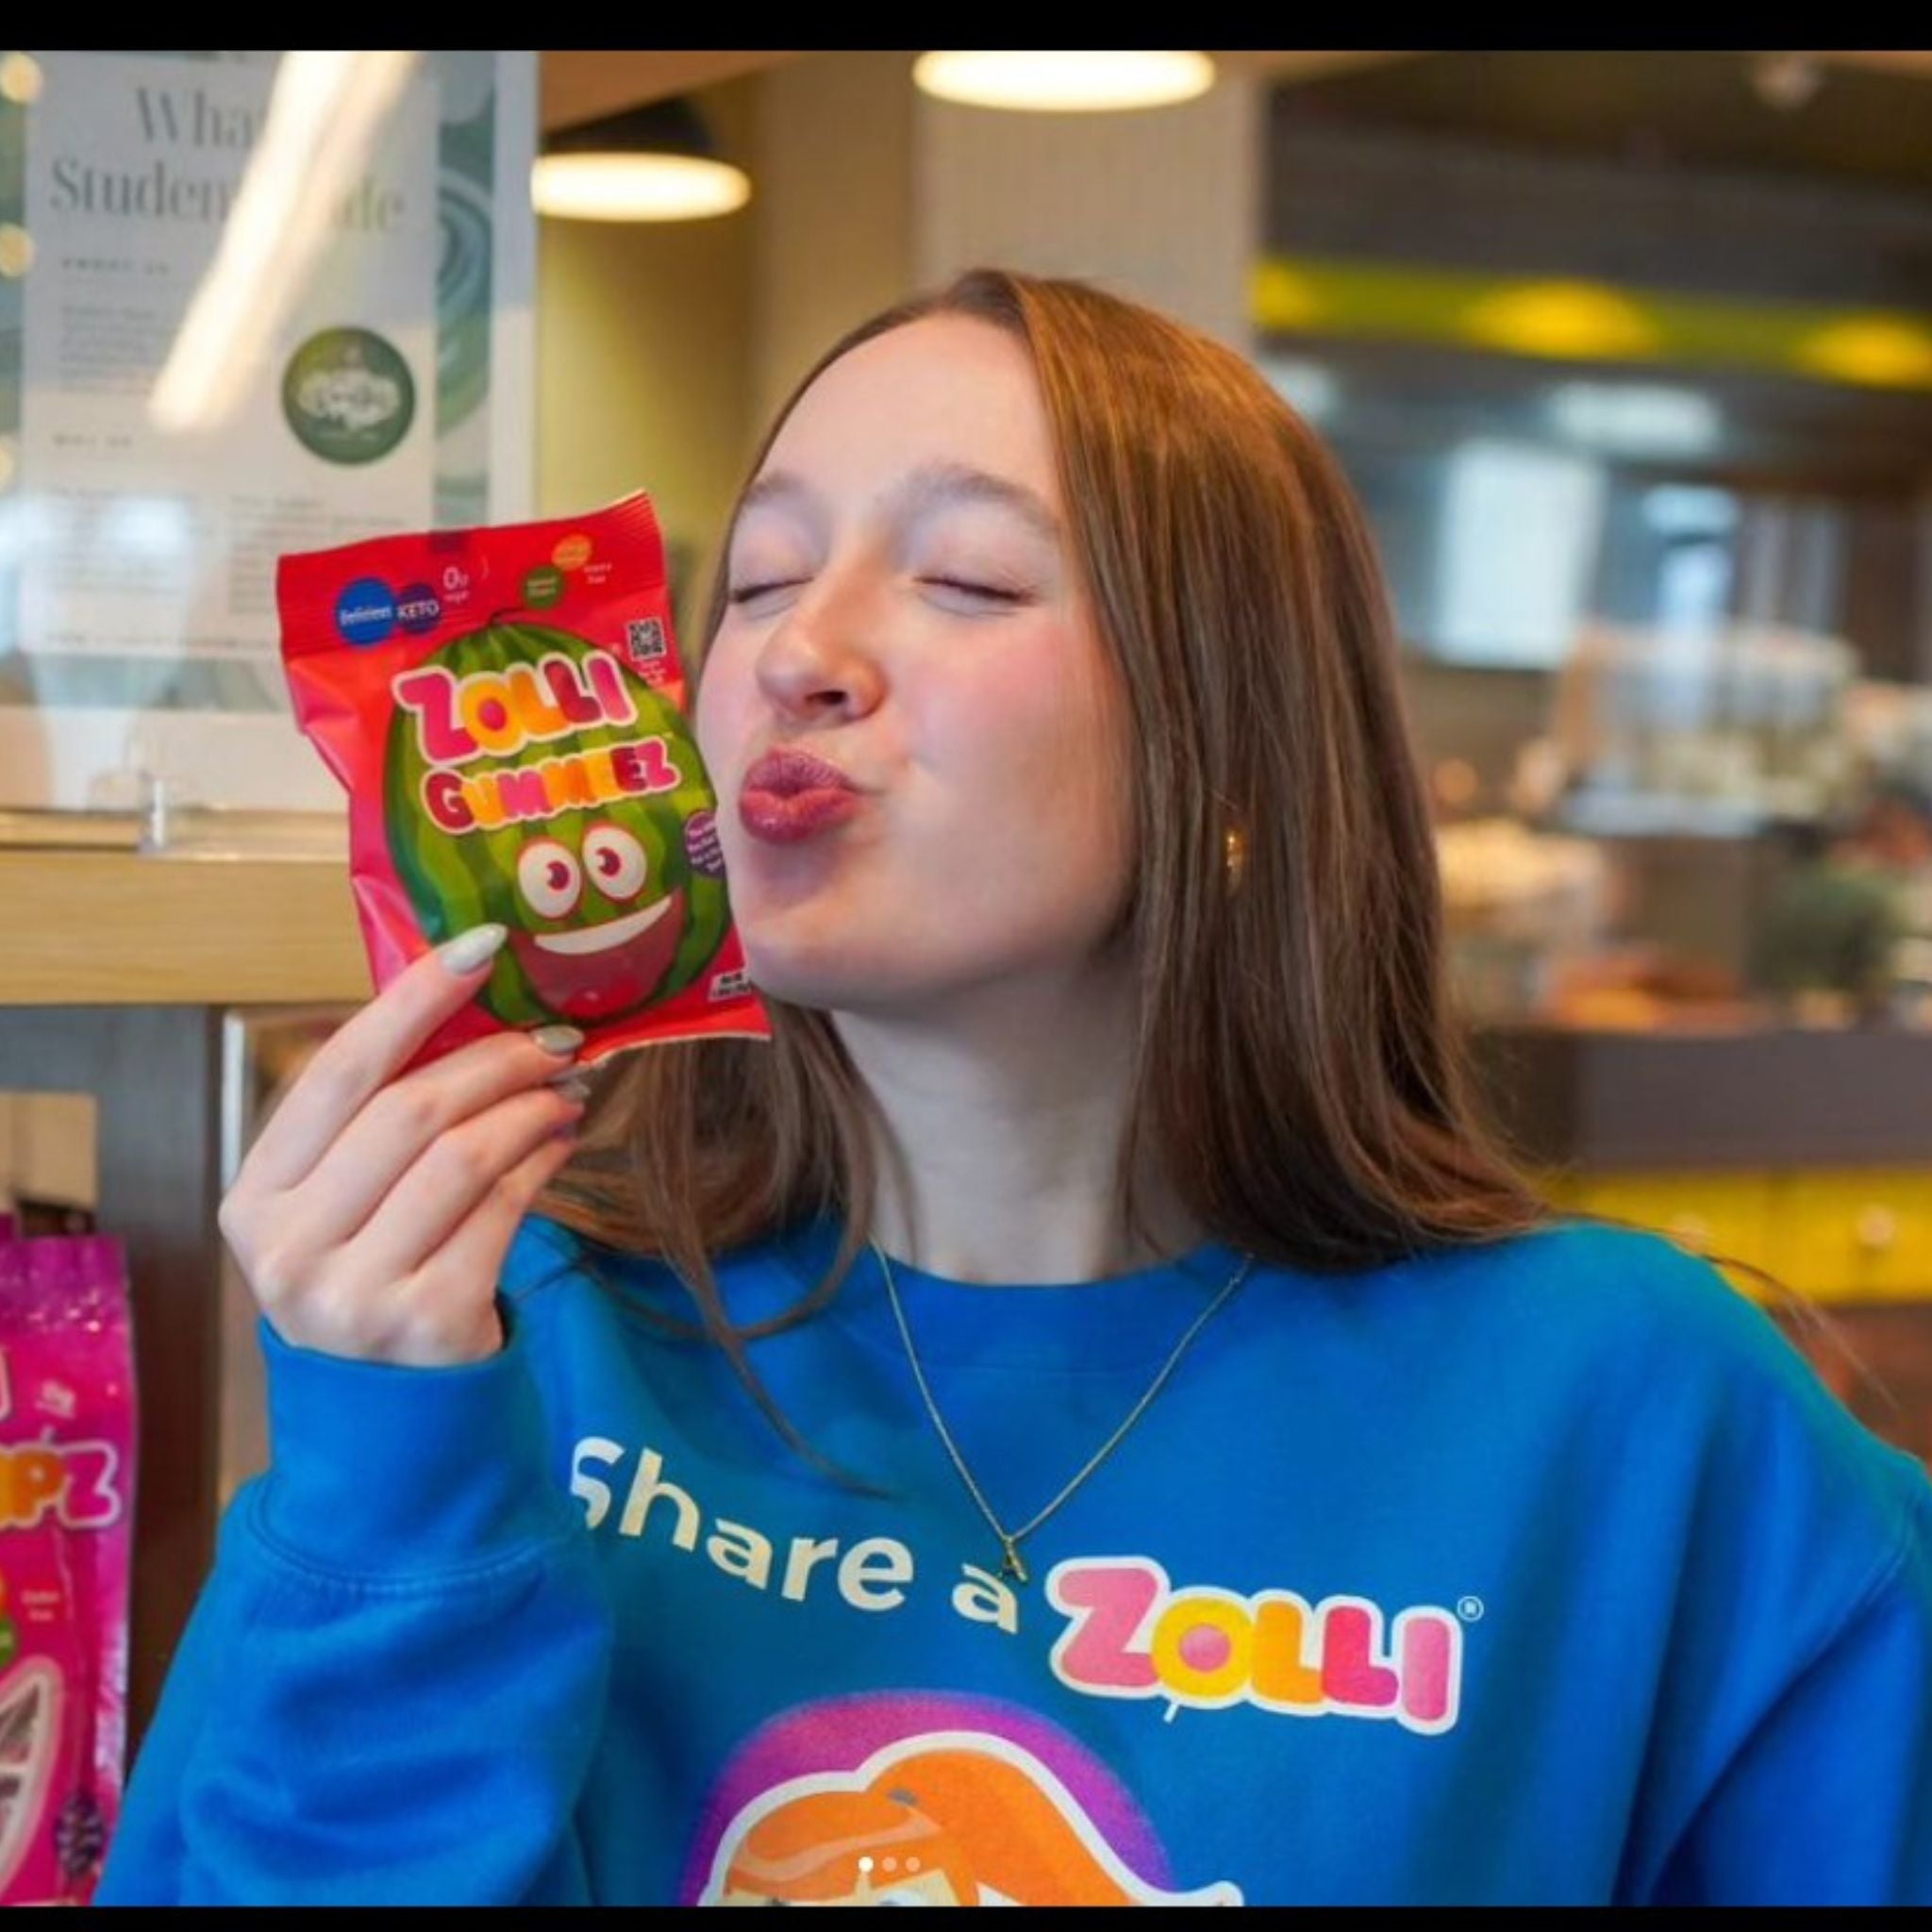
(744, 594)
(994, 594)
(960, 587)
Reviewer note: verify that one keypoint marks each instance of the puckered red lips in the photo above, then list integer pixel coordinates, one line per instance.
(596, 972)
(789, 795)
(787, 770)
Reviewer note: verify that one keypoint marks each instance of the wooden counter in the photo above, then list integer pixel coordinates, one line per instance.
(1761, 1099)
(118, 928)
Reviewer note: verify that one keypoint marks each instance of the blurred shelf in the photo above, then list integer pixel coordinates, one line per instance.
(1652, 815)
(120, 928)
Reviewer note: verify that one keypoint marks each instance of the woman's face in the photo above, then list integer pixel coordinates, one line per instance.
(904, 607)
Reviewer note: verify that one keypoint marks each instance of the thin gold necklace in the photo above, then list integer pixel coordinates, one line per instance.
(1011, 1563)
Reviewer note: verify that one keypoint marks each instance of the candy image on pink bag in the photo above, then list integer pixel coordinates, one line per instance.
(66, 1433)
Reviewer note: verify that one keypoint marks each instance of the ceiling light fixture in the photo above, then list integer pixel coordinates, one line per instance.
(1786, 81)
(653, 163)
(1077, 83)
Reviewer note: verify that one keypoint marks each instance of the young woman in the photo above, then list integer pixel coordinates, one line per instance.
(1201, 1470)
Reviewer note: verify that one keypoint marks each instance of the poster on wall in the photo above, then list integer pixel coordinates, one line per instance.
(250, 302)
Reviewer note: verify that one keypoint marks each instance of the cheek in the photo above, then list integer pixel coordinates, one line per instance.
(1048, 715)
(1037, 738)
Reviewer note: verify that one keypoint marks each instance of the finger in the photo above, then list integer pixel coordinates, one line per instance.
(364, 1052)
(457, 1284)
(430, 1202)
(396, 1127)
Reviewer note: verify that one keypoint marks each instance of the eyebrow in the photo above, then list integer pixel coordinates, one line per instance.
(932, 487)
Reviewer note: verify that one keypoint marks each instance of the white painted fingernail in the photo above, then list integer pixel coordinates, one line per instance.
(561, 1040)
(573, 1088)
(469, 950)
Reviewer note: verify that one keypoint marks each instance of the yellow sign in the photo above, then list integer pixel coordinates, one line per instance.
(1591, 322)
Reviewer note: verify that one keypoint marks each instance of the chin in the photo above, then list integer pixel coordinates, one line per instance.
(808, 952)
(817, 983)
(849, 959)
(835, 977)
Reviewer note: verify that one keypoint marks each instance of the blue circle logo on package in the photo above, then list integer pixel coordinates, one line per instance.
(366, 612)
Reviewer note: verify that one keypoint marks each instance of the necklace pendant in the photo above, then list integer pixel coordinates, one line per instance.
(1012, 1565)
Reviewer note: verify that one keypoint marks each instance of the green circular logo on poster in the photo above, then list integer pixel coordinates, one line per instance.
(542, 588)
(348, 395)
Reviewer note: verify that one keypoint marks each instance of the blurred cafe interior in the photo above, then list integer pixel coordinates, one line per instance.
(1628, 356)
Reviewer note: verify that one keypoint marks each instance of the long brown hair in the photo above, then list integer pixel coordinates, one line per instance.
(1297, 1069)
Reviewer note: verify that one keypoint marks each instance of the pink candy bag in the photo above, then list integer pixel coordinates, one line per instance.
(67, 1434)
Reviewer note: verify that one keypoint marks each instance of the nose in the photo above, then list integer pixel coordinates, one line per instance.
(816, 665)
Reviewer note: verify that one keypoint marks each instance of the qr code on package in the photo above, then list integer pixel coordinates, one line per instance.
(644, 638)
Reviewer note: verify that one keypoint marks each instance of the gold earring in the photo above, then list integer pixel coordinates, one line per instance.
(1234, 857)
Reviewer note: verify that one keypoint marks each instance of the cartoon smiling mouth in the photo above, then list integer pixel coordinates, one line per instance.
(594, 971)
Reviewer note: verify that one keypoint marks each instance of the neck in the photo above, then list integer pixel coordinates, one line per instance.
(1003, 1121)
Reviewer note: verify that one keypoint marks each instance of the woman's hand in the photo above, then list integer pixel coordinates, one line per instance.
(371, 1216)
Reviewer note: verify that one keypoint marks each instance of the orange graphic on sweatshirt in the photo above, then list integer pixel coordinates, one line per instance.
(944, 1819)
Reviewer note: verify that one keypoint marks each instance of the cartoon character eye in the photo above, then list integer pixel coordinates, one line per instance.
(615, 861)
(549, 878)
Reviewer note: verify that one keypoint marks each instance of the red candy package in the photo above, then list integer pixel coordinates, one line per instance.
(506, 709)
(67, 1434)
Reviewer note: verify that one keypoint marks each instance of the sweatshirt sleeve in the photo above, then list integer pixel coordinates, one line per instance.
(1830, 1800)
(394, 1678)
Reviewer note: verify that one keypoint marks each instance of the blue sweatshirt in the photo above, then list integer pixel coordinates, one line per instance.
(1542, 1573)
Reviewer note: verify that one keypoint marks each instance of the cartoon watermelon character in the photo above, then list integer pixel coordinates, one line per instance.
(605, 905)
(29, 1738)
